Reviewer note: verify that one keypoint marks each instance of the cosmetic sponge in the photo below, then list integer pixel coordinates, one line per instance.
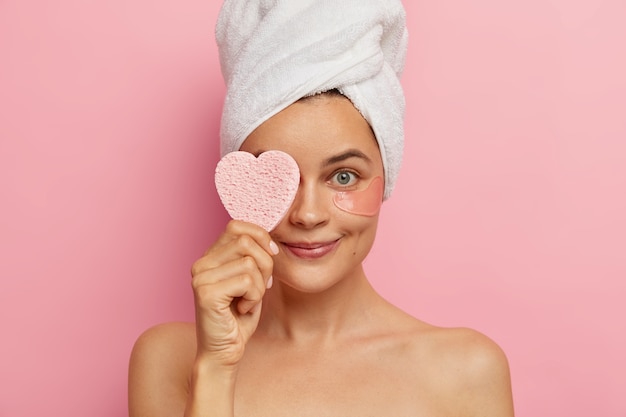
(257, 190)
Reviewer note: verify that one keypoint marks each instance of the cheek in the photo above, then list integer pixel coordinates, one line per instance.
(365, 202)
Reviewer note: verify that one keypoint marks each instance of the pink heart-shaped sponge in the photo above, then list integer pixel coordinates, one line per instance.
(257, 190)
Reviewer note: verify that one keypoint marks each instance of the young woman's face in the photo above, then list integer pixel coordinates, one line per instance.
(322, 239)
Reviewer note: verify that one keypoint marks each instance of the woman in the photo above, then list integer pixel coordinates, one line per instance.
(287, 323)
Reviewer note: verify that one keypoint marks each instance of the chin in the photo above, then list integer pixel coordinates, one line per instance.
(305, 281)
(316, 278)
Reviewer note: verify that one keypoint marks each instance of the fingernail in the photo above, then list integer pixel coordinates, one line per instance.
(270, 282)
(273, 247)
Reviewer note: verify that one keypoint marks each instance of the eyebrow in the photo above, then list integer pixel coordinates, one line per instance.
(350, 153)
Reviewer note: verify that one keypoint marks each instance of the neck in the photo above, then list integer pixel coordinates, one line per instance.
(321, 316)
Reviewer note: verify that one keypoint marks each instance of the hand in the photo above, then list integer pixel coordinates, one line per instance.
(229, 282)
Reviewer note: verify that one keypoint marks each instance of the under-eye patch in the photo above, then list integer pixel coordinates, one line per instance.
(257, 190)
(364, 202)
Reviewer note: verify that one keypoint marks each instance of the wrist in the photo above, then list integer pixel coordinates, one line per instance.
(214, 368)
(212, 389)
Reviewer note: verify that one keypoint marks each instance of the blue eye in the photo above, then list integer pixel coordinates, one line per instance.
(344, 177)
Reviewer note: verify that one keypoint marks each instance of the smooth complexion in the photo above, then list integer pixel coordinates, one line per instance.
(320, 244)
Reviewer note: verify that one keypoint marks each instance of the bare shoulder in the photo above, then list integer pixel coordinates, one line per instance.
(468, 366)
(164, 335)
(473, 350)
(158, 376)
(169, 344)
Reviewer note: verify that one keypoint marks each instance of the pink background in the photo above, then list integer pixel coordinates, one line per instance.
(508, 216)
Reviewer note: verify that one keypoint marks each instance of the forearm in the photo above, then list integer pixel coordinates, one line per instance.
(212, 391)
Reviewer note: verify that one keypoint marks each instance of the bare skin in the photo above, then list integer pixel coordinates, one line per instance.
(320, 342)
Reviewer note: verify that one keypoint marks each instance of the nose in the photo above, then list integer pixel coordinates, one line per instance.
(309, 208)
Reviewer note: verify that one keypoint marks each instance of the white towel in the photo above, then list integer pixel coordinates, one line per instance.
(274, 52)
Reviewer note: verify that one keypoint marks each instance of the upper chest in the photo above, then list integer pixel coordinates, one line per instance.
(357, 381)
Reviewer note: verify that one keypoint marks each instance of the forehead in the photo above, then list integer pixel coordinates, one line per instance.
(317, 127)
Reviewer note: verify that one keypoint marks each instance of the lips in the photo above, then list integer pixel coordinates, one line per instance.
(313, 250)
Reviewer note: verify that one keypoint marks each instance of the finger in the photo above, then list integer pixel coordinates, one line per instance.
(260, 235)
(217, 298)
(245, 306)
(238, 247)
(245, 265)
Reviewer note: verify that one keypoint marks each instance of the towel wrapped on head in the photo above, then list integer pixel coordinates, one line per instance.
(274, 52)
